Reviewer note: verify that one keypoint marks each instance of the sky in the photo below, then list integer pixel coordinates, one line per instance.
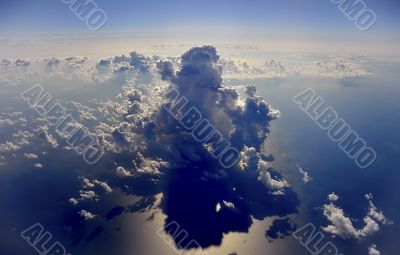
(297, 22)
(239, 64)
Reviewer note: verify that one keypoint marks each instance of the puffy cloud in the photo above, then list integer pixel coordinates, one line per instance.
(43, 133)
(85, 113)
(275, 66)
(277, 185)
(121, 171)
(333, 197)
(373, 250)
(87, 184)
(76, 61)
(228, 204)
(306, 177)
(6, 62)
(9, 147)
(73, 201)
(104, 62)
(87, 194)
(329, 66)
(38, 165)
(6, 122)
(166, 70)
(87, 215)
(52, 63)
(150, 166)
(224, 205)
(242, 122)
(342, 225)
(103, 185)
(139, 62)
(121, 59)
(22, 62)
(31, 155)
(249, 159)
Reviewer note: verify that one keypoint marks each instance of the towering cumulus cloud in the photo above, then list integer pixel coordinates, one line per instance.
(194, 183)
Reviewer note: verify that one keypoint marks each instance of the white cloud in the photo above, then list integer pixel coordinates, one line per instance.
(329, 66)
(73, 201)
(121, 171)
(373, 250)
(278, 185)
(103, 185)
(87, 215)
(87, 194)
(43, 133)
(224, 204)
(9, 147)
(249, 159)
(342, 225)
(306, 177)
(38, 165)
(30, 156)
(6, 122)
(87, 183)
(228, 204)
(333, 197)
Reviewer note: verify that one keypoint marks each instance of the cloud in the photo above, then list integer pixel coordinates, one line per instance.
(103, 185)
(306, 177)
(373, 250)
(249, 159)
(22, 63)
(243, 122)
(52, 63)
(73, 201)
(151, 153)
(329, 66)
(333, 197)
(342, 225)
(43, 132)
(87, 215)
(87, 194)
(9, 147)
(87, 184)
(121, 171)
(139, 62)
(38, 165)
(277, 185)
(6, 122)
(6, 62)
(31, 155)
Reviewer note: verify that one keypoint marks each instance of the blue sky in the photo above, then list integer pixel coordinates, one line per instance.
(299, 22)
(317, 16)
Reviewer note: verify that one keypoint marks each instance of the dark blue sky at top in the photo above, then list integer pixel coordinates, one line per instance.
(313, 16)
